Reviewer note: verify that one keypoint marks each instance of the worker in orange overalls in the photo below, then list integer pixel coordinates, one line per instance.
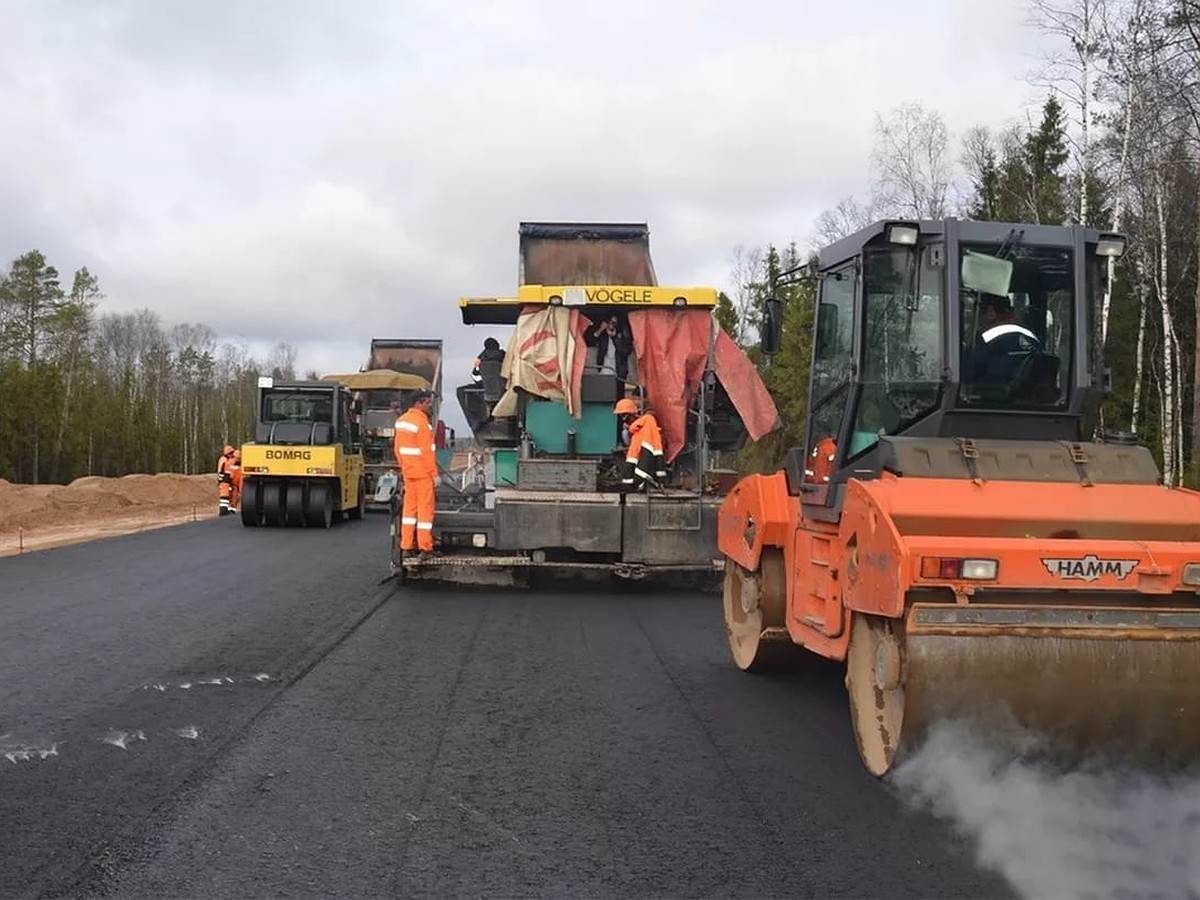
(224, 481)
(644, 462)
(235, 478)
(413, 446)
(820, 462)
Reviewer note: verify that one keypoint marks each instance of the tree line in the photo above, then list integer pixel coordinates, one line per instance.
(83, 392)
(1115, 145)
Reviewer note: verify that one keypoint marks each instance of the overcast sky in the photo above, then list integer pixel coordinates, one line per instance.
(322, 172)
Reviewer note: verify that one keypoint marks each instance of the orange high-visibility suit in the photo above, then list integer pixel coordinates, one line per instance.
(234, 468)
(820, 462)
(644, 460)
(224, 481)
(413, 446)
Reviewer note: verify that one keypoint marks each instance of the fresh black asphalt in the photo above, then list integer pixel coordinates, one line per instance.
(212, 711)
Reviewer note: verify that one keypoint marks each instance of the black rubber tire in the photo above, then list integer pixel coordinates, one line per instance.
(319, 511)
(326, 508)
(251, 503)
(295, 503)
(272, 503)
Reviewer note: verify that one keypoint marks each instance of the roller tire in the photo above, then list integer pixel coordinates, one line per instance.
(272, 504)
(319, 512)
(251, 503)
(295, 504)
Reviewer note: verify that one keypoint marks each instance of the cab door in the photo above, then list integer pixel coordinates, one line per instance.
(831, 392)
(814, 602)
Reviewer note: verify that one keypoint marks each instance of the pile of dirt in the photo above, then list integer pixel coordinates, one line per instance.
(95, 500)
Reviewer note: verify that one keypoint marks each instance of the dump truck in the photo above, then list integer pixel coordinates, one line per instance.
(411, 356)
(541, 490)
(420, 358)
(953, 529)
(375, 390)
(305, 465)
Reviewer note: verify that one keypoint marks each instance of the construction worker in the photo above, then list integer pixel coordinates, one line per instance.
(820, 462)
(235, 478)
(224, 481)
(416, 457)
(491, 352)
(644, 459)
(1001, 344)
(613, 342)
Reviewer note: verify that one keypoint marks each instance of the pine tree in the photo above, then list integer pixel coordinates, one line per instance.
(1045, 155)
(31, 298)
(726, 315)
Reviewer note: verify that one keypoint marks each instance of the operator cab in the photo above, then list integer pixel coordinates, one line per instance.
(312, 413)
(946, 328)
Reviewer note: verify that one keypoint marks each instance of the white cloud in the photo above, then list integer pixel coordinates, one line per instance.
(319, 174)
(326, 258)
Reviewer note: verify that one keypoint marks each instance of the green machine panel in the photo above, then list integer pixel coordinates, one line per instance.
(548, 421)
(506, 467)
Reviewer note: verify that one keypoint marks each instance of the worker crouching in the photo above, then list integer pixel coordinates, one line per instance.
(644, 461)
(413, 444)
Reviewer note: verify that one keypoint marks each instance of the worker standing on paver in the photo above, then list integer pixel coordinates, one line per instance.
(491, 353)
(415, 455)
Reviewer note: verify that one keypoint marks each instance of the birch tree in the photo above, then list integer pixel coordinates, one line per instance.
(1070, 68)
(846, 217)
(1124, 37)
(746, 268)
(1186, 25)
(910, 158)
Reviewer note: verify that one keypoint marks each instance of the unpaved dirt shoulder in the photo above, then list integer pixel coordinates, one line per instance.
(37, 517)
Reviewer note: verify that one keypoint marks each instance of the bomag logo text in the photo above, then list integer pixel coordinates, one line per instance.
(289, 454)
(629, 295)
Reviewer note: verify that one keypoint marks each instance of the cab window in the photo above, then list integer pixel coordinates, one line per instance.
(1017, 326)
(902, 341)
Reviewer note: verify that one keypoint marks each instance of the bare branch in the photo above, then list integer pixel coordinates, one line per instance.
(846, 217)
(912, 171)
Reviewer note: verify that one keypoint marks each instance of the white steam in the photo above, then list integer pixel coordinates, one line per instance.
(1089, 833)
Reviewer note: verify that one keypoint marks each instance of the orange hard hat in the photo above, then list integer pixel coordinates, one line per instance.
(227, 450)
(625, 406)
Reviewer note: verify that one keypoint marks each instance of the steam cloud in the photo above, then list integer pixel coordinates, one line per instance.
(1092, 832)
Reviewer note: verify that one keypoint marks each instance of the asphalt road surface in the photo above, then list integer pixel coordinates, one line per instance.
(212, 711)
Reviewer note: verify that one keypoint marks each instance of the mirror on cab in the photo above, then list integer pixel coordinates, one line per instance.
(772, 326)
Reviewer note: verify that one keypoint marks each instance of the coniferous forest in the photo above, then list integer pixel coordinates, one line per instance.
(1115, 144)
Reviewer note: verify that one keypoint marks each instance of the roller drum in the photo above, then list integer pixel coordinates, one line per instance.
(1122, 681)
(1077, 682)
